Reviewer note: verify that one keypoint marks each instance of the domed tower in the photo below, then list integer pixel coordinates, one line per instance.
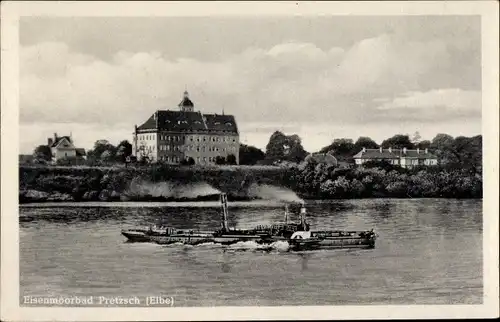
(186, 105)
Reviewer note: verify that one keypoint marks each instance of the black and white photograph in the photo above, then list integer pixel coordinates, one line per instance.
(310, 159)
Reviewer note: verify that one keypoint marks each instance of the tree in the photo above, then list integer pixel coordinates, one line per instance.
(188, 161)
(275, 149)
(398, 141)
(123, 150)
(342, 149)
(42, 152)
(250, 155)
(416, 138)
(106, 156)
(231, 159)
(220, 160)
(425, 144)
(442, 145)
(364, 142)
(285, 148)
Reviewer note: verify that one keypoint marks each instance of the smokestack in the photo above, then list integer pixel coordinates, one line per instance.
(50, 141)
(380, 149)
(223, 200)
(55, 137)
(303, 216)
(286, 214)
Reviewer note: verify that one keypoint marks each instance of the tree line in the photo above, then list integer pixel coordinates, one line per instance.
(458, 152)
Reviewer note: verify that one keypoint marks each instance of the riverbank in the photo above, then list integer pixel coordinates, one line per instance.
(153, 183)
(242, 183)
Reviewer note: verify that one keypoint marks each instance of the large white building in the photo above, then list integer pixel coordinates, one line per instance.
(173, 136)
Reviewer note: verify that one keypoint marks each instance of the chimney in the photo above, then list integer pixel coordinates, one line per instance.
(364, 150)
(426, 150)
(404, 150)
(380, 149)
(50, 141)
(390, 150)
(418, 151)
(55, 137)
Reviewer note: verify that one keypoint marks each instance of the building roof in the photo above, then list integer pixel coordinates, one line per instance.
(59, 139)
(183, 121)
(393, 154)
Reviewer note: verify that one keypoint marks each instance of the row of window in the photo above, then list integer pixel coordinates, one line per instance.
(179, 138)
(178, 159)
(195, 148)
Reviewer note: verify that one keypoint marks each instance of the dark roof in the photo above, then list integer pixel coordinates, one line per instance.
(189, 121)
(217, 122)
(58, 139)
(394, 154)
(186, 102)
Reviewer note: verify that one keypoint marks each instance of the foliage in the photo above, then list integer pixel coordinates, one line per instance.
(231, 159)
(220, 160)
(398, 141)
(285, 148)
(42, 152)
(250, 154)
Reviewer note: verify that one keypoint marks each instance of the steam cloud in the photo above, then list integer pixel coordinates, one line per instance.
(268, 192)
(169, 189)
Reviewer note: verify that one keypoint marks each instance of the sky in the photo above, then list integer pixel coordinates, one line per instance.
(321, 77)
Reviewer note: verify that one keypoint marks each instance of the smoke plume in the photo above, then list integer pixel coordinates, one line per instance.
(268, 192)
(171, 190)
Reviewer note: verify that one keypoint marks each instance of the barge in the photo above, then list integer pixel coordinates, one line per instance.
(297, 234)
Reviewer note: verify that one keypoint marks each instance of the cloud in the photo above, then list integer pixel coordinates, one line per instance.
(452, 98)
(284, 83)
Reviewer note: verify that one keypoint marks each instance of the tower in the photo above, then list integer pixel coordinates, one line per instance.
(186, 105)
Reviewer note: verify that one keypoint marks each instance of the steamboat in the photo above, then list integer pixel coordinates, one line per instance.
(297, 234)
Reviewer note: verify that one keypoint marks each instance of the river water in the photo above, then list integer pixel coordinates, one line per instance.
(429, 251)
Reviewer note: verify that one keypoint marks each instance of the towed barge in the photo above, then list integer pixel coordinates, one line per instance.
(298, 235)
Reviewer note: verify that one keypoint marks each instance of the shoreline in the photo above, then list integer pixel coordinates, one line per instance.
(204, 203)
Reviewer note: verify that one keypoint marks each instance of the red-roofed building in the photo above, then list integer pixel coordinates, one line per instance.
(173, 136)
(405, 158)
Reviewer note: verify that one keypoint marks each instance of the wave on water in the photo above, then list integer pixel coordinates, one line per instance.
(280, 246)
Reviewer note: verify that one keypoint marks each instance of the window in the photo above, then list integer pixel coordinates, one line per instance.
(198, 159)
(204, 159)
(198, 149)
(168, 138)
(168, 147)
(203, 148)
(204, 139)
(191, 138)
(234, 140)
